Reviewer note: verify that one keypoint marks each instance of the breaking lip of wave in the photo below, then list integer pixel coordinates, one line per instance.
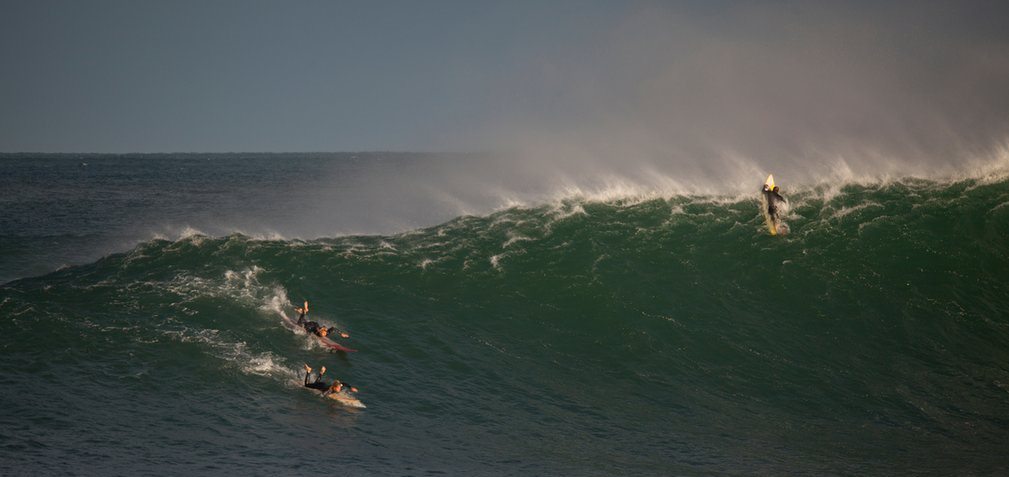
(569, 198)
(592, 178)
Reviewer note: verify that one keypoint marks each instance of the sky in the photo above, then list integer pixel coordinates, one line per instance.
(218, 76)
(693, 86)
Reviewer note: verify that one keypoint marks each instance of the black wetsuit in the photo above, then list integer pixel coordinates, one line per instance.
(315, 328)
(317, 384)
(311, 327)
(772, 197)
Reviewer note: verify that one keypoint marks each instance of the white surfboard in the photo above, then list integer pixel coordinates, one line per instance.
(347, 400)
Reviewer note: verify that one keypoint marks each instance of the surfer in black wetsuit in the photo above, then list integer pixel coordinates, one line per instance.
(318, 384)
(322, 331)
(310, 326)
(773, 197)
(314, 328)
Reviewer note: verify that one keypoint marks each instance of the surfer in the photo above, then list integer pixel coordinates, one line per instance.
(322, 331)
(310, 326)
(771, 193)
(336, 387)
(314, 328)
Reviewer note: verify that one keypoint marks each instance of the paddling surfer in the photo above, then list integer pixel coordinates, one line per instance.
(314, 328)
(310, 326)
(318, 384)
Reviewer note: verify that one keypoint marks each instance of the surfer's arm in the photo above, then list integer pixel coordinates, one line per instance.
(343, 334)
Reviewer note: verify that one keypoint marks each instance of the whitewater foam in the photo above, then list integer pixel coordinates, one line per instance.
(845, 211)
(495, 260)
(513, 238)
(235, 353)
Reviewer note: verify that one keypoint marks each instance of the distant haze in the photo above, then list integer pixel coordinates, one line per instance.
(682, 95)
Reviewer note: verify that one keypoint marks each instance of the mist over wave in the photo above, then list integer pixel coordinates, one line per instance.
(711, 96)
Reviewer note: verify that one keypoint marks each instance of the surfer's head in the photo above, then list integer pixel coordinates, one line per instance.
(323, 331)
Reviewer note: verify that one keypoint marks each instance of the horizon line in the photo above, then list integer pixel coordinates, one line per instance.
(138, 153)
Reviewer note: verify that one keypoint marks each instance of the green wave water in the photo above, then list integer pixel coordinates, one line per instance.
(667, 336)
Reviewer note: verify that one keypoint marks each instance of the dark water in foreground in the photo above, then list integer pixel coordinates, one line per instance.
(649, 337)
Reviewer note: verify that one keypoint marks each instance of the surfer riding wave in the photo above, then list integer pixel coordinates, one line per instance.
(774, 205)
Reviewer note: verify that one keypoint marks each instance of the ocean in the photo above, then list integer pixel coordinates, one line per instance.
(141, 326)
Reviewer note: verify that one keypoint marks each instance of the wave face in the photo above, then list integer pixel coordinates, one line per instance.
(648, 337)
